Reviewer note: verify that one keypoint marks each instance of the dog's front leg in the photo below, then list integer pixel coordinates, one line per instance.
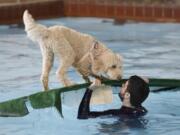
(48, 59)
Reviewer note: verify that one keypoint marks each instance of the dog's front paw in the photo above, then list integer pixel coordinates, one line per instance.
(96, 83)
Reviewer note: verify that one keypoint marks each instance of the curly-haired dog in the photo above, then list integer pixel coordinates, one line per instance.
(82, 51)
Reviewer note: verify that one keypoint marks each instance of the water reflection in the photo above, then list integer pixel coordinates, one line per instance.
(123, 125)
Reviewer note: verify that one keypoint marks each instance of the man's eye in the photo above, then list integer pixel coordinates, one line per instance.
(113, 66)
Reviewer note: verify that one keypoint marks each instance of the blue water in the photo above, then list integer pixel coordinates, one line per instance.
(151, 50)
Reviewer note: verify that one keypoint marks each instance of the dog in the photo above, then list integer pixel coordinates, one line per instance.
(85, 53)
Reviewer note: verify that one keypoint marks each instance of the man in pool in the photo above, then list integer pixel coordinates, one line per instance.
(133, 94)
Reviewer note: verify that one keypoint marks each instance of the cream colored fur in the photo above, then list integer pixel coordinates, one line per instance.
(73, 48)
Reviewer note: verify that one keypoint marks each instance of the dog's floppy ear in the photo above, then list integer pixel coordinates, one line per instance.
(95, 45)
(95, 50)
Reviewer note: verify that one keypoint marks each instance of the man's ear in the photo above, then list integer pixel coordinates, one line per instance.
(127, 95)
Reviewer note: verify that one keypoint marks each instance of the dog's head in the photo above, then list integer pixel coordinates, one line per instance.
(106, 63)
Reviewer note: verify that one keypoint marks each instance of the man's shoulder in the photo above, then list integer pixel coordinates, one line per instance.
(138, 111)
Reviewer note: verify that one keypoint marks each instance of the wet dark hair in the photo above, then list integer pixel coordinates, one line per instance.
(138, 89)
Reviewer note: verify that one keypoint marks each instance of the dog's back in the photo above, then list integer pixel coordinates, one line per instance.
(80, 42)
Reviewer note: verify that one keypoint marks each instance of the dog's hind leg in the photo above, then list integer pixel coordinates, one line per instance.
(48, 58)
(61, 72)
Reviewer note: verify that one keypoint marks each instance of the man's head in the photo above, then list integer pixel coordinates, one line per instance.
(136, 90)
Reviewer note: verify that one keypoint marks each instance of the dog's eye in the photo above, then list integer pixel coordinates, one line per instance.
(113, 66)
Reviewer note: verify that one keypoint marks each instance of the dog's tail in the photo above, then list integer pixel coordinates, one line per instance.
(34, 30)
(28, 20)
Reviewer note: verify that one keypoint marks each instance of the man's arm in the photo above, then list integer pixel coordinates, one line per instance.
(84, 109)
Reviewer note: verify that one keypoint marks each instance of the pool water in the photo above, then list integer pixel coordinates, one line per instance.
(149, 49)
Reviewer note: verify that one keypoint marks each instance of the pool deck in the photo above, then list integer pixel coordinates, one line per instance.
(11, 13)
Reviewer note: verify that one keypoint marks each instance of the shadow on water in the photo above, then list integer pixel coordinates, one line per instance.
(123, 125)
